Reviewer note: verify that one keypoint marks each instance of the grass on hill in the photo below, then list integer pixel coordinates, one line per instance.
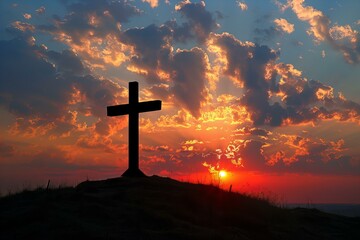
(160, 208)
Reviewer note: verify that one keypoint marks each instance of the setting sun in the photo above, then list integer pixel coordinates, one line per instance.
(222, 174)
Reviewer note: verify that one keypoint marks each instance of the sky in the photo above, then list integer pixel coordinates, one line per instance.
(260, 95)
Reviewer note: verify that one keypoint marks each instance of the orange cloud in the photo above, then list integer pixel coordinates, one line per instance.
(97, 51)
(344, 32)
(181, 120)
(322, 31)
(153, 3)
(27, 16)
(242, 5)
(23, 27)
(283, 25)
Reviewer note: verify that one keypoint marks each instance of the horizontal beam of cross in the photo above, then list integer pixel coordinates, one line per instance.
(139, 107)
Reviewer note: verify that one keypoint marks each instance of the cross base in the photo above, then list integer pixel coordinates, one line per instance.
(133, 172)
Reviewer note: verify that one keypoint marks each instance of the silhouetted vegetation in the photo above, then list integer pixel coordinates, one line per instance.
(160, 208)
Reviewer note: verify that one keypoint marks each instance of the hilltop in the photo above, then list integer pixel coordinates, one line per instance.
(160, 208)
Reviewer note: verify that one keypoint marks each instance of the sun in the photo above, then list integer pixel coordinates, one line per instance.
(222, 173)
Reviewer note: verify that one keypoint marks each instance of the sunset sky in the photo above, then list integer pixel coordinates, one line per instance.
(266, 91)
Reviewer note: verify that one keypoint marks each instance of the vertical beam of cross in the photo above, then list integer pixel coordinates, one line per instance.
(133, 126)
(133, 108)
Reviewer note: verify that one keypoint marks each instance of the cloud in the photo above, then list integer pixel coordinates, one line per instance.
(310, 100)
(281, 153)
(229, 112)
(180, 120)
(189, 69)
(283, 25)
(146, 148)
(56, 94)
(46, 90)
(151, 50)
(253, 68)
(343, 32)
(159, 91)
(26, 76)
(91, 29)
(242, 5)
(247, 155)
(266, 34)
(252, 131)
(40, 10)
(97, 142)
(27, 16)
(257, 150)
(341, 38)
(22, 30)
(185, 71)
(51, 161)
(311, 155)
(66, 62)
(6, 150)
(246, 65)
(201, 21)
(153, 3)
(180, 33)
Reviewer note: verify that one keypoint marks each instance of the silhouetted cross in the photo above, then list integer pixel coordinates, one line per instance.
(133, 109)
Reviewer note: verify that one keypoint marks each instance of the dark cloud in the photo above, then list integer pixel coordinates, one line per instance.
(186, 69)
(66, 62)
(201, 21)
(29, 84)
(47, 87)
(189, 68)
(40, 10)
(254, 68)
(149, 49)
(22, 30)
(160, 91)
(152, 48)
(181, 33)
(266, 34)
(251, 152)
(6, 150)
(92, 18)
(98, 93)
(310, 100)
(247, 63)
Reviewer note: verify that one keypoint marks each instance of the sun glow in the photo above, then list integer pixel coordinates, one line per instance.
(222, 173)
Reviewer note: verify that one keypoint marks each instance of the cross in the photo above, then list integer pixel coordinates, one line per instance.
(133, 108)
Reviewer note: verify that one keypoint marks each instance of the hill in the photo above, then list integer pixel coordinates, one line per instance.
(160, 208)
